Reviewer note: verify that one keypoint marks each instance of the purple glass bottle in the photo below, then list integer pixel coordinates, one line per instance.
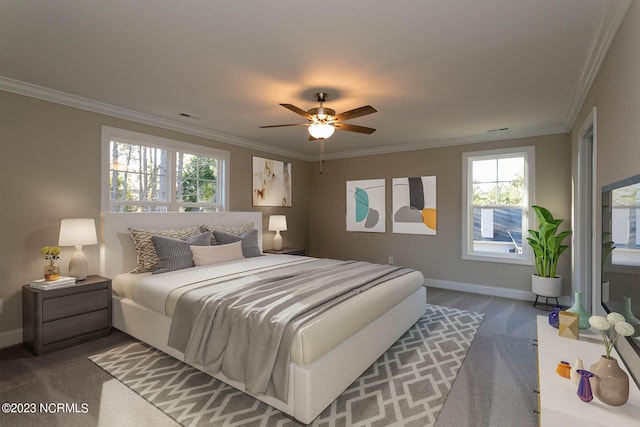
(554, 316)
(584, 387)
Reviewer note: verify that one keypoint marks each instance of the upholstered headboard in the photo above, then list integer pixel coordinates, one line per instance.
(117, 251)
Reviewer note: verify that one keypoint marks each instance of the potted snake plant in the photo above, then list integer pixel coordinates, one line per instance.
(547, 246)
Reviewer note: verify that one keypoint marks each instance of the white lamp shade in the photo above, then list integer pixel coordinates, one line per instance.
(321, 130)
(278, 223)
(77, 232)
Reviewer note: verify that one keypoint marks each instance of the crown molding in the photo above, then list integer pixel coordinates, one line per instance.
(472, 139)
(39, 92)
(612, 14)
(46, 94)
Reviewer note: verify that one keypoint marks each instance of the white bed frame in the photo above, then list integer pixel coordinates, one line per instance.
(312, 387)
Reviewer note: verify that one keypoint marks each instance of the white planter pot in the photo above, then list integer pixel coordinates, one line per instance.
(546, 286)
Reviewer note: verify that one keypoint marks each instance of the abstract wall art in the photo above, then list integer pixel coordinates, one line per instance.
(366, 205)
(414, 205)
(271, 182)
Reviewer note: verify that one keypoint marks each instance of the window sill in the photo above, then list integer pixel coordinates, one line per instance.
(498, 259)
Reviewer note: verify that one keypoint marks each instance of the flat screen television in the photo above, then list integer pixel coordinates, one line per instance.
(620, 261)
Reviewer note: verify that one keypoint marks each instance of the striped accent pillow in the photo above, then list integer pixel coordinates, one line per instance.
(233, 229)
(147, 257)
(174, 253)
(209, 255)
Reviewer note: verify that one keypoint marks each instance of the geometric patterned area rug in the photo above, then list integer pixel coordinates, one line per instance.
(406, 386)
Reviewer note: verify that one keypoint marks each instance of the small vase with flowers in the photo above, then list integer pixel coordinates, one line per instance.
(610, 383)
(51, 269)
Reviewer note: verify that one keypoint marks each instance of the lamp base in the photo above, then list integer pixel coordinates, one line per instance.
(277, 241)
(78, 264)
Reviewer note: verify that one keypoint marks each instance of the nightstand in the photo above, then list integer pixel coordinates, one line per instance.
(286, 251)
(57, 318)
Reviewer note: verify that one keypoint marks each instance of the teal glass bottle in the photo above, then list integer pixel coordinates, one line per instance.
(629, 317)
(583, 314)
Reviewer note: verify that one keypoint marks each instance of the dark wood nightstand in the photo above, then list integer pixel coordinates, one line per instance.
(286, 251)
(58, 318)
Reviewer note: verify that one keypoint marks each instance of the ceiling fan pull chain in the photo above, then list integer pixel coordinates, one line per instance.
(321, 153)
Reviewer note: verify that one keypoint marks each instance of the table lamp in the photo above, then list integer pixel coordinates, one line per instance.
(277, 223)
(78, 232)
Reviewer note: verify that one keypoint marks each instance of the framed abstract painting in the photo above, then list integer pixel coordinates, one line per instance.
(414, 205)
(271, 182)
(366, 205)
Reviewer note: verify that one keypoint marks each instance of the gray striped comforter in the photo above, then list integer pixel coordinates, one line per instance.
(245, 328)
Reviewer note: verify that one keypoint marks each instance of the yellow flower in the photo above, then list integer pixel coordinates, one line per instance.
(50, 252)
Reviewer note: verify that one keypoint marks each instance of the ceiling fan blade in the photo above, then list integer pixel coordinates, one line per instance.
(297, 110)
(354, 128)
(356, 112)
(279, 126)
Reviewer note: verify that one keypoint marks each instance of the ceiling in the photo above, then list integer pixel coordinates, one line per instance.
(438, 72)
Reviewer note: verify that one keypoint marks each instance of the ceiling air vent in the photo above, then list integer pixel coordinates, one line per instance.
(189, 116)
(498, 130)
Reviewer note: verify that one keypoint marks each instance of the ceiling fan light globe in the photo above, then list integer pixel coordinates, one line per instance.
(321, 130)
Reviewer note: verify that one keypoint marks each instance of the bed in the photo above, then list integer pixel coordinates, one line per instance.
(327, 353)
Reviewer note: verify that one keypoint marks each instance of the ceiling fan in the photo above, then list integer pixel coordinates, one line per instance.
(323, 121)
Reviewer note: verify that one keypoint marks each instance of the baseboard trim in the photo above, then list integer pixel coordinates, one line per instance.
(487, 290)
(9, 338)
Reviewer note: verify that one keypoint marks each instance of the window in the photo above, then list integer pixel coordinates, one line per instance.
(144, 173)
(497, 193)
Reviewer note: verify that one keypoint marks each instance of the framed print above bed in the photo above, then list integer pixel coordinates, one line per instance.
(366, 205)
(414, 205)
(271, 182)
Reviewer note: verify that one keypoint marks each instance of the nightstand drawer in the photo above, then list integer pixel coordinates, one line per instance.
(59, 330)
(70, 305)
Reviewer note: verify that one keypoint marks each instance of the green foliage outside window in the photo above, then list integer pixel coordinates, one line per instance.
(500, 193)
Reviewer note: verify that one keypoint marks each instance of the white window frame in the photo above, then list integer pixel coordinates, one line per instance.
(173, 147)
(468, 253)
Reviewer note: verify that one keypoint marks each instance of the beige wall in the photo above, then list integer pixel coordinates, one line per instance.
(438, 257)
(50, 169)
(615, 93)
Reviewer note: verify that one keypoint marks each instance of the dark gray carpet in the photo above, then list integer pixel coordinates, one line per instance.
(405, 386)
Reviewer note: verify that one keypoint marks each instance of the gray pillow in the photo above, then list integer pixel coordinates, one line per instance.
(174, 253)
(249, 239)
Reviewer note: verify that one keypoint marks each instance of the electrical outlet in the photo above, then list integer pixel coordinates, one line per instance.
(391, 260)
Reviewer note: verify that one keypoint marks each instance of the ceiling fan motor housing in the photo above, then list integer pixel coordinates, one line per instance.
(322, 113)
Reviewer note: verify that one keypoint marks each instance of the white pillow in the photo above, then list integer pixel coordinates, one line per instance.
(209, 255)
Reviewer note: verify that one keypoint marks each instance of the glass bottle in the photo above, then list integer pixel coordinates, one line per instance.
(629, 317)
(583, 314)
(584, 388)
(554, 316)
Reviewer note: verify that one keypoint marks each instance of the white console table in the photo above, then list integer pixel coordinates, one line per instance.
(559, 402)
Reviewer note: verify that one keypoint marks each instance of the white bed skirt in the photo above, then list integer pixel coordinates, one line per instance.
(312, 387)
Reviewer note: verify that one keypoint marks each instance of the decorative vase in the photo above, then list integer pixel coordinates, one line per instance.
(584, 388)
(554, 316)
(583, 314)
(51, 272)
(629, 316)
(564, 369)
(574, 375)
(610, 383)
